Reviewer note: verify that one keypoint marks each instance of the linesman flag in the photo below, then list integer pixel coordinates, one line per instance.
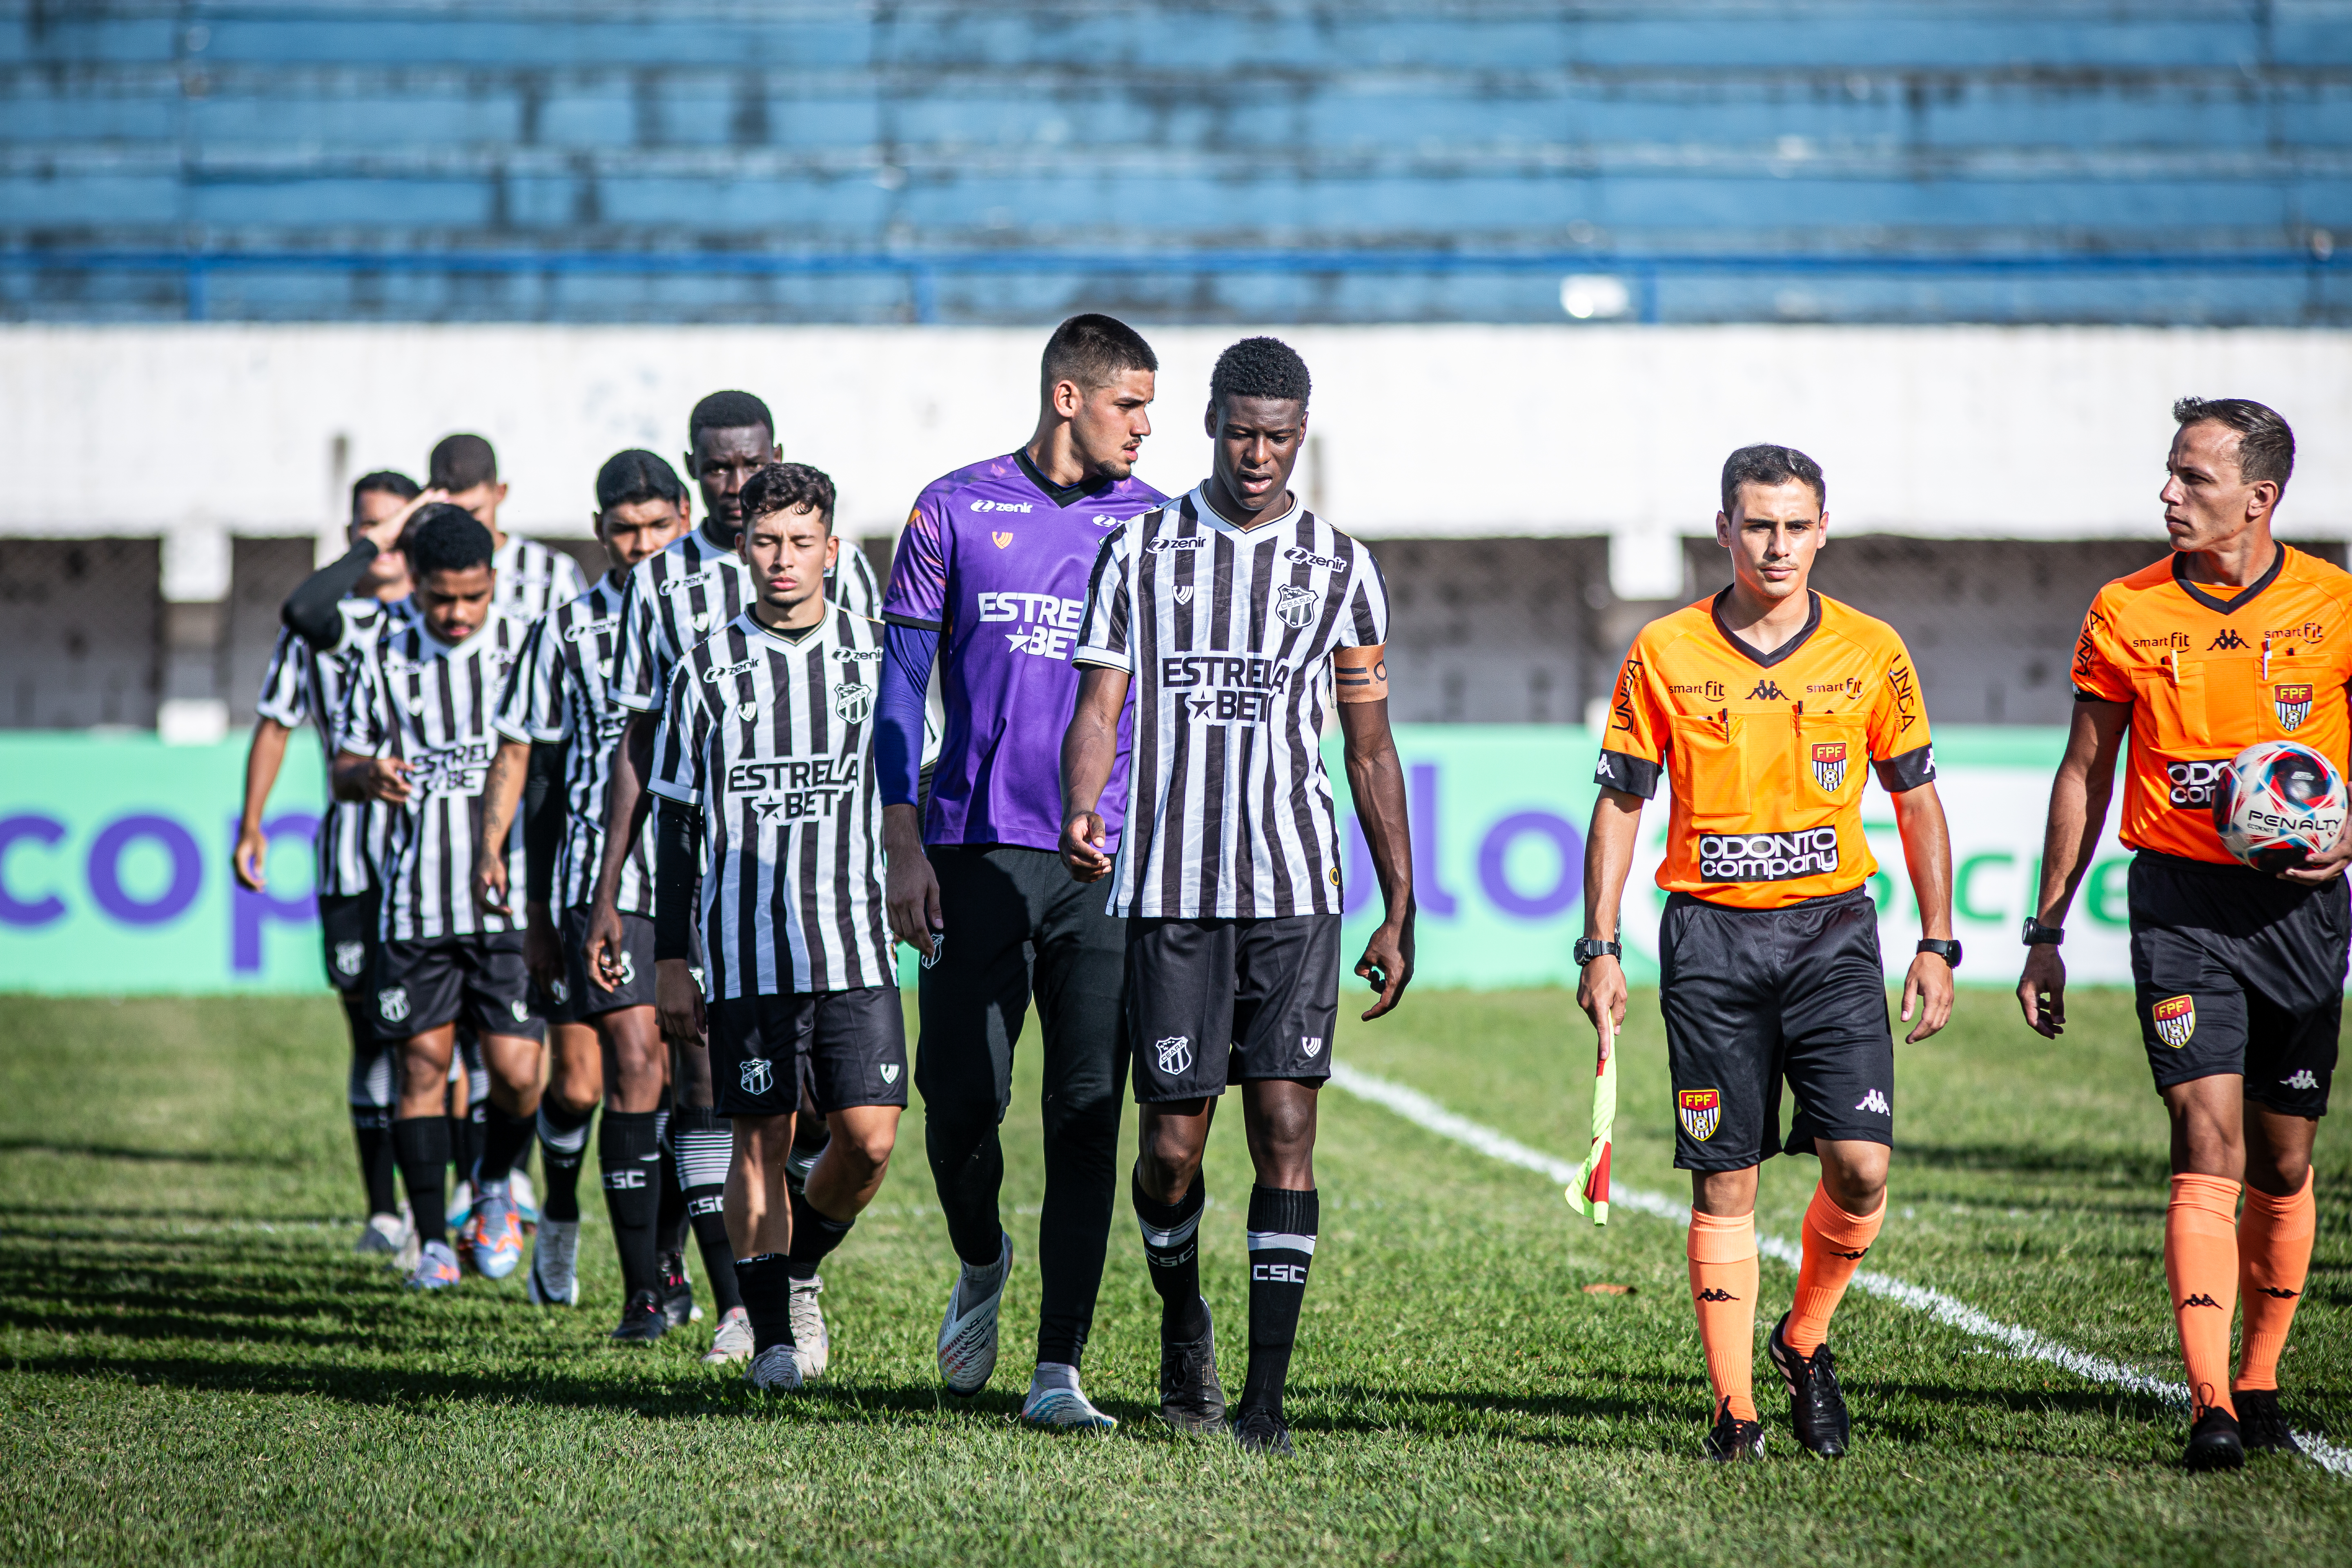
(1591, 1193)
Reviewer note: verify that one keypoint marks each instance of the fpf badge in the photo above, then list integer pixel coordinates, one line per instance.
(2294, 705)
(1701, 1109)
(1828, 765)
(2176, 1020)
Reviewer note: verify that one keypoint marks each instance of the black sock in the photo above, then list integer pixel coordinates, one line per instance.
(424, 1145)
(564, 1143)
(814, 1235)
(670, 1227)
(627, 1148)
(810, 1138)
(968, 1168)
(372, 1130)
(505, 1136)
(767, 1298)
(1171, 1245)
(465, 1140)
(1281, 1247)
(705, 1147)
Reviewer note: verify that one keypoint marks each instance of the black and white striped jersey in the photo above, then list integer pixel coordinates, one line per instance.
(533, 579)
(773, 739)
(561, 692)
(1228, 636)
(681, 596)
(302, 684)
(433, 705)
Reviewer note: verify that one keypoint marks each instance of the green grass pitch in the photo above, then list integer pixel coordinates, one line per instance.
(193, 1366)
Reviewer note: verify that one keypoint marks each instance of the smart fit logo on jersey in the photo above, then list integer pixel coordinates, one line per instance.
(1768, 857)
(1049, 623)
(1003, 505)
(1226, 690)
(451, 770)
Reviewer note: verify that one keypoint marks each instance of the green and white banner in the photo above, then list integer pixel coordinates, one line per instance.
(115, 879)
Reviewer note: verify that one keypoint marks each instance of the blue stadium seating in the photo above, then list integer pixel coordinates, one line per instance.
(2158, 160)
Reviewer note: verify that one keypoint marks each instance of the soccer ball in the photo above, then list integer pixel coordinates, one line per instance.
(2275, 802)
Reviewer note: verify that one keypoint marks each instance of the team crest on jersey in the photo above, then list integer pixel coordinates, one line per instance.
(1828, 765)
(851, 701)
(391, 1002)
(2175, 1019)
(1184, 594)
(1293, 604)
(1000, 537)
(1175, 1053)
(2294, 705)
(1700, 1111)
(759, 1075)
(349, 956)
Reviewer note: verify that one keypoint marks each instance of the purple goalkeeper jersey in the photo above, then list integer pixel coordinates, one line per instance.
(997, 560)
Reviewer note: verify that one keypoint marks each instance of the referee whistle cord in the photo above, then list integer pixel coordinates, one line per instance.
(2022, 1343)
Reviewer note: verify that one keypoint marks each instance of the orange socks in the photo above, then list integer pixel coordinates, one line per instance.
(2273, 1255)
(1834, 1243)
(2200, 1265)
(1723, 1277)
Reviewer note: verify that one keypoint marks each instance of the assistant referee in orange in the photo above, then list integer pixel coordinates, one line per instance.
(1763, 705)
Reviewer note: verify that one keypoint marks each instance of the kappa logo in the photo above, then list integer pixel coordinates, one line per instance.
(1001, 538)
(1712, 1294)
(521, 1009)
(1876, 1103)
(889, 1072)
(1828, 765)
(2278, 1293)
(1700, 1111)
(349, 956)
(2200, 1299)
(1175, 1053)
(851, 701)
(391, 1002)
(2228, 639)
(1311, 1044)
(759, 1075)
(1293, 605)
(1184, 594)
(747, 710)
(2293, 703)
(1299, 557)
(2175, 1018)
(1768, 692)
(2299, 1078)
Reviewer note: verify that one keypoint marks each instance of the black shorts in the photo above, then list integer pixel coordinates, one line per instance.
(478, 980)
(1214, 1002)
(347, 928)
(578, 998)
(851, 1047)
(2236, 971)
(1753, 997)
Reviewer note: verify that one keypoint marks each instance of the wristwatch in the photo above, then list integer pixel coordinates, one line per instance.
(2036, 933)
(1588, 948)
(1949, 949)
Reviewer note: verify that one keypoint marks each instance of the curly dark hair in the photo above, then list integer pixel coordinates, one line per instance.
(781, 487)
(1260, 367)
(729, 411)
(445, 537)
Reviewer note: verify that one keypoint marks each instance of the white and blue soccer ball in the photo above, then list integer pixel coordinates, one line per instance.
(2277, 802)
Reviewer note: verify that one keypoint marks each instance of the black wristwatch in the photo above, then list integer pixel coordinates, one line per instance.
(2036, 933)
(1947, 949)
(1588, 948)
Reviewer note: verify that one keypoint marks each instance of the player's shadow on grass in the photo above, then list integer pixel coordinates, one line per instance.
(2137, 1168)
(124, 1152)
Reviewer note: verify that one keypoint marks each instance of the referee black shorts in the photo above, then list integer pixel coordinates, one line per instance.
(850, 1046)
(2237, 971)
(1218, 1001)
(1753, 997)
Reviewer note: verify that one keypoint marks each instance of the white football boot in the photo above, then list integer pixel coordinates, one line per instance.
(968, 1331)
(773, 1370)
(554, 1258)
(384, 1234)
(733, 1342)
(1056, 1403)
(812, 1345)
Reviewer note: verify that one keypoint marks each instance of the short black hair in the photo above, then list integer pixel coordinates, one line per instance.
(781, 487)
(1260, 367)
(460, 462)
(1093, 351)
(2265, 444)
(1766, 464)
(637, 475)
(729, 411)
(390, 481)
(445, 538)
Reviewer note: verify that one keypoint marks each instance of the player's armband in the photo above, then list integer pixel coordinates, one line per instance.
(1360, 674)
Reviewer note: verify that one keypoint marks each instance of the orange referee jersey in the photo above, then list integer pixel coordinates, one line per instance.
(1765, 751)
(2208, 673)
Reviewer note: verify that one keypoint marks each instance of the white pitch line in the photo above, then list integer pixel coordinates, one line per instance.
(1421, 1111)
